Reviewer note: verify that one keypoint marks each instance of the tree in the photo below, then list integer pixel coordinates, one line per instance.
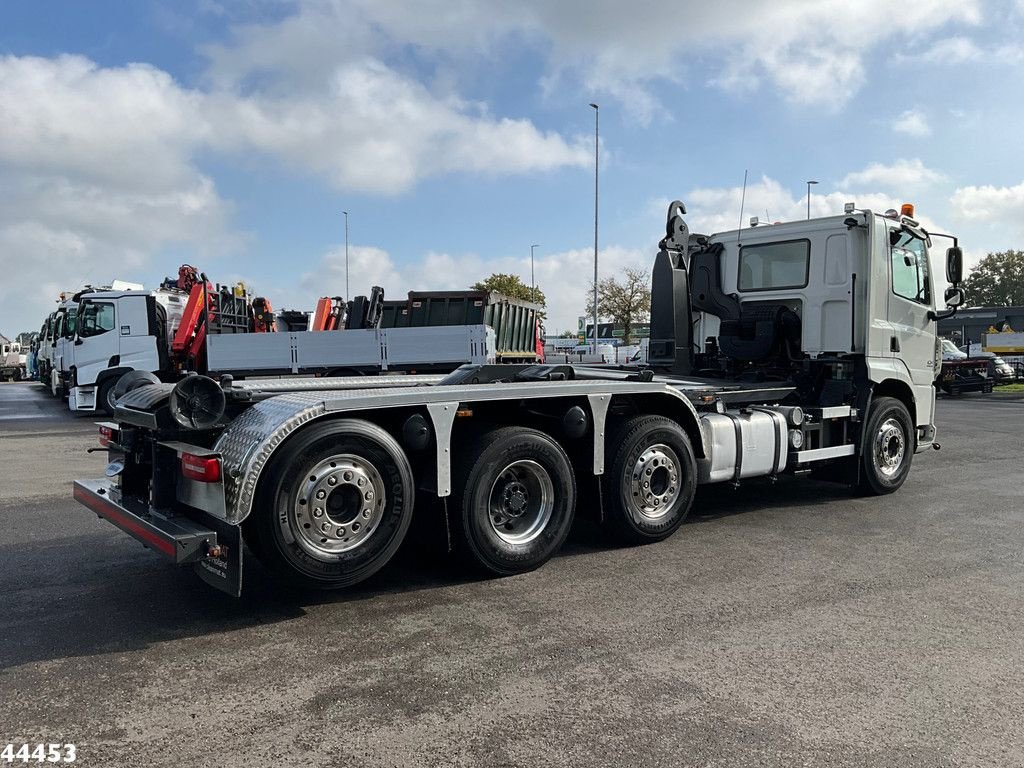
(997, 281)
(625, 303)
(513, 287)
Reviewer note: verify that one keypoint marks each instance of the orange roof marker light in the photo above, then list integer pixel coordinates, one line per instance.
(907, 210)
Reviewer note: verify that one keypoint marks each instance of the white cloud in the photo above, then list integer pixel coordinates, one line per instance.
(902, 175)
(998, 207)
(813, 53)
(959, 50)
(564, 277)
(912, 122)
(100, 171)
(98, 176)
(374, 130)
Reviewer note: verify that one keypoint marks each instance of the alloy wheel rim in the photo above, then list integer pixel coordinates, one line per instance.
(655, 480)
(521, 502)
(338, 506)
(890, 447)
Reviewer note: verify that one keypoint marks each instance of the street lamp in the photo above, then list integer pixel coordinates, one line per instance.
(533, 281)
(597, 113)
(809, 198)
(347, 295)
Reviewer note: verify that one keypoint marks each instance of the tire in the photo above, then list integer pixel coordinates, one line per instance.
(516, 500)
(17, 375)
(650, 479)
(350, 537)
(888, 449)
(106, 399)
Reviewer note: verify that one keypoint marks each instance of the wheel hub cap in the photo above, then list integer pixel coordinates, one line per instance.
(890, 447)
(521, 502)
(338, 506)
(654, 482)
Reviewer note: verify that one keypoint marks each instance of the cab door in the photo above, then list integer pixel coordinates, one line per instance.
(911, 300)
(96, 342)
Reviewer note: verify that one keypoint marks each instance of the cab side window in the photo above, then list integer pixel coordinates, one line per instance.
(95, 317)
(910, 270)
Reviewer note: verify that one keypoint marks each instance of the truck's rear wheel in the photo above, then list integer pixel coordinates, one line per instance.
(337, 504)
(650, 478)
(516, 499)
(888, 447)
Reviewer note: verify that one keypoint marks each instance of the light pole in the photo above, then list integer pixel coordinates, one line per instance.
(347, 297)
(533, 281)
(809, 198)
(597, 113)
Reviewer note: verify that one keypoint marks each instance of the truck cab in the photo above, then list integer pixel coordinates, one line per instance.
(63, 350)
(12, 360)
(44, 353)
(118, 332)
(843, 306)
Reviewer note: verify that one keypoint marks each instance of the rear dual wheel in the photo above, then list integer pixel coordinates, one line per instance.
(334, 506)
(514, 500)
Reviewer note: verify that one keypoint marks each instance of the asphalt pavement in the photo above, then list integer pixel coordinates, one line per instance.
(787, 624)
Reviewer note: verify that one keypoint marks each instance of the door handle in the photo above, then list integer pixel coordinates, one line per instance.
(894, 344)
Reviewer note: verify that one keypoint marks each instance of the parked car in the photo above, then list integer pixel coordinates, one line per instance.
(1004, 371)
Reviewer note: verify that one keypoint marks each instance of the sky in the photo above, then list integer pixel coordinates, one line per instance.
(137, 136)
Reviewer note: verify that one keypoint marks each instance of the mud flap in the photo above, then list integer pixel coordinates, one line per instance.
(223, 572)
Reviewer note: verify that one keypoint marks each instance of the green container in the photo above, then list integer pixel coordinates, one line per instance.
(514, 321)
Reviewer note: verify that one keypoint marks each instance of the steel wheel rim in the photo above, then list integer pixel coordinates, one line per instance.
(521, 502)
(338, 506)
(890, 447)
(655, 480)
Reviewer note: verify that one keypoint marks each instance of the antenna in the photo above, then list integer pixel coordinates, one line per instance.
(743, 200)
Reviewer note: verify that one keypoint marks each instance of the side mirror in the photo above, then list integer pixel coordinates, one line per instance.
(954, 266)
(955, 296)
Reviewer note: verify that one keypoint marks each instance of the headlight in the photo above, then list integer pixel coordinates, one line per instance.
(796, 438)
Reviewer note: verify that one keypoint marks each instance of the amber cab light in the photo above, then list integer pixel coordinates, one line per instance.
(907, 210)
(201, 468)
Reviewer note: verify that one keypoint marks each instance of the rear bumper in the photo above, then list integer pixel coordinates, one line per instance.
(213, 548)
(177, 538)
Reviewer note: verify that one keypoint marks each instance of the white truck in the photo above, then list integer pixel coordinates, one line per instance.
(133, 330)
(44, 353)
(816, 351)
(12, 360)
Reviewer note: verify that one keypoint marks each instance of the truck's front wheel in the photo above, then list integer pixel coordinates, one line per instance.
(337, 504)
(888, 447)
(516, 499)
(650, 478)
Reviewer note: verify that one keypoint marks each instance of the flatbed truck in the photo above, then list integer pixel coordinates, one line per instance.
(797, 348)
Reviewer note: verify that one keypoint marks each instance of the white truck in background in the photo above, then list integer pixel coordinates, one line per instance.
(123, 331)
(13, 360)
(816, 351)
